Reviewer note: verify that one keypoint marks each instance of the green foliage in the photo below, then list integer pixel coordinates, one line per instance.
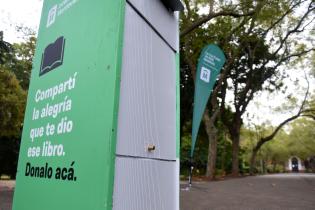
(14, 81)
(298, 140)
(224, 151)
(301, 141)
(255, 45)
(15, 70)
(5, 50)
(12, 105)
(201, 151)
(22, 62)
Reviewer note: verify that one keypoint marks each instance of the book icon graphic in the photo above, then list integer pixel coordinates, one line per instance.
(52, 56)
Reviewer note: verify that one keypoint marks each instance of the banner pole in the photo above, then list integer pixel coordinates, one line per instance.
(191, 167)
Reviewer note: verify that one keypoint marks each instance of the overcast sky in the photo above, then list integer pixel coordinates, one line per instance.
(18, 13)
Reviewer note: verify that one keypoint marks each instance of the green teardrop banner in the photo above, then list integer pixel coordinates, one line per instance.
(209, 66)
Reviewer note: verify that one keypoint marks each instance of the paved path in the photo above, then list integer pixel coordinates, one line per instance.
(6, 194)
(269, 192)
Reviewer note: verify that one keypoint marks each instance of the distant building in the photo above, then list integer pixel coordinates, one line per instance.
(295, 164)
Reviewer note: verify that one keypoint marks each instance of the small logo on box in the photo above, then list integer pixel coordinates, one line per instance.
(51, 16)
(205, 74)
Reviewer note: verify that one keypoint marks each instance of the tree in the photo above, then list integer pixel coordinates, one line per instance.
(296, 140)
(301, 138)
(196, 32)
(5, 50)
(12, 105)
(256, 45)
(15, 68)
(21, 57)
(307, 109)
(22, 63)
(266, 43)
(275, 152)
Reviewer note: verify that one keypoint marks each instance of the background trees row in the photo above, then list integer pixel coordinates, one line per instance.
(297, 140)
(15, 70)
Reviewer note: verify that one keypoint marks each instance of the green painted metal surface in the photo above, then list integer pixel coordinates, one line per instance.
(67, 152)
(209, 66)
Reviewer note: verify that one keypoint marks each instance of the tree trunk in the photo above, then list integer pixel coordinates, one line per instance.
(212, 155)
(274, 166)
(253, 161)
(212, 149)
(223, 154)
(235, 152)
(264, 166)
(234, 128)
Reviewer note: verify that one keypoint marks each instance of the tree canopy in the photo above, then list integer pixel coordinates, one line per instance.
(15, 69)
(258, 38)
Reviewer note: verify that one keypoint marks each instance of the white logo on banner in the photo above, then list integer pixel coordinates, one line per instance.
(51, 16)
(58, 10)
(205, 74)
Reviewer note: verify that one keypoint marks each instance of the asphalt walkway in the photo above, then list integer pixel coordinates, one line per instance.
(6, 194)
(269, 192)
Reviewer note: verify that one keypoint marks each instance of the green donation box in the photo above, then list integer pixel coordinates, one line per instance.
(102, 116)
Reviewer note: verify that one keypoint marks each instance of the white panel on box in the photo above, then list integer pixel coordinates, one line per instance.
(162, 19)
(145, 184)
(147, 110)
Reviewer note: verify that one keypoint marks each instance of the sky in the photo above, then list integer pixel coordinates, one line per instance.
(19, 13)
(27, 13)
